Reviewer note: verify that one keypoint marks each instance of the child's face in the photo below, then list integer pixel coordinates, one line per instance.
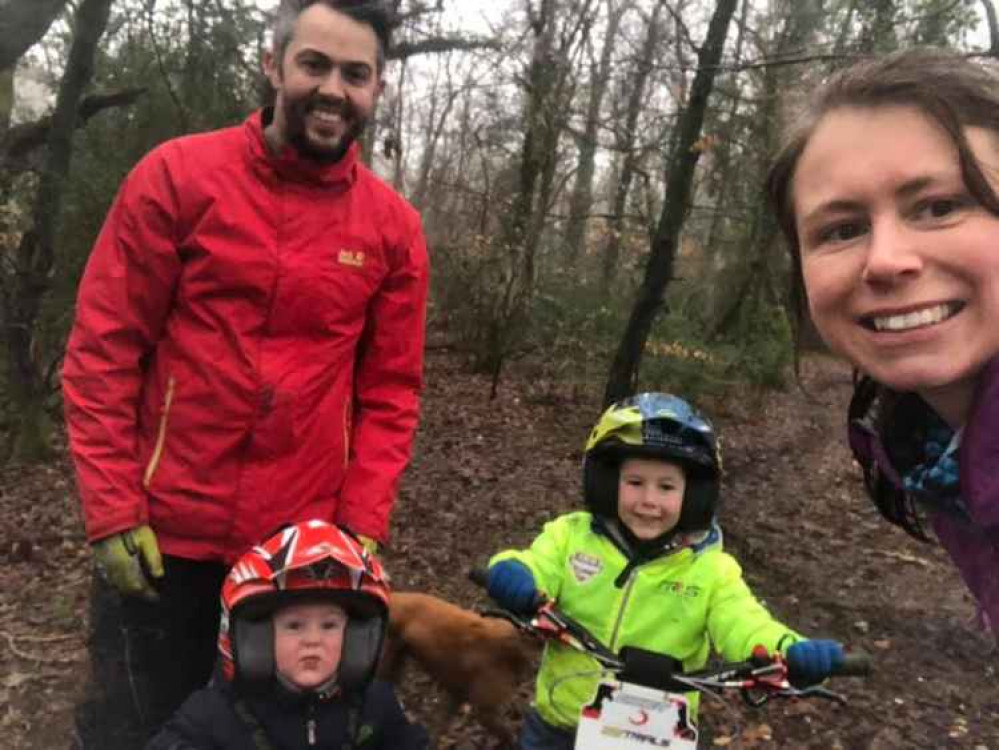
(899, 260)
(650, 496)
(308, 639)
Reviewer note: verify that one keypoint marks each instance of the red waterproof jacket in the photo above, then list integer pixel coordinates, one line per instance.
(248, 347)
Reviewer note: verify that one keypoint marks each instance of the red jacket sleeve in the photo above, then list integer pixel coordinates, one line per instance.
(388, 381)
(122, 303)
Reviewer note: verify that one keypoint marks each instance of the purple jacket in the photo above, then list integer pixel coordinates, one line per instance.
(970, 534)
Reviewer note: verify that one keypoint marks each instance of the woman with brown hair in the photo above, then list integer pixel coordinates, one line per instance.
(886, 189)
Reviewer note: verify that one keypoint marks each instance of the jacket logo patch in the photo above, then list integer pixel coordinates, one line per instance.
(352, 258)
(677, 588)
(585, 567)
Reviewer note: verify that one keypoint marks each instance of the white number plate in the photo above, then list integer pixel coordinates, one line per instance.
(631, 717)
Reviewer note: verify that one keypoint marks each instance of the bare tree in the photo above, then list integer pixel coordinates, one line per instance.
(623, 377)
(547, 85)
(626, 146)
(581, 201)
(22, 23)
(27, 281)
(993, 21)
(761, 278)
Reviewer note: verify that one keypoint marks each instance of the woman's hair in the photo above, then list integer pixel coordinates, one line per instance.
(373, 13)
(950, 89)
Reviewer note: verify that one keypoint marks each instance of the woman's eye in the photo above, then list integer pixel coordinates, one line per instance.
(843, 231)
(938, 208)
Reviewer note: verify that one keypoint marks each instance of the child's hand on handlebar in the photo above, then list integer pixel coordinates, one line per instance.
(810, 662)
(512, 586)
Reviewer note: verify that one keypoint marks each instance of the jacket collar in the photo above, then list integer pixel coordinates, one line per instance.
(638, 553)
(289, 165)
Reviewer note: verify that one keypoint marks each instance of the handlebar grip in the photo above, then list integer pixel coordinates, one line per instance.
(480, 577)
(856, 664)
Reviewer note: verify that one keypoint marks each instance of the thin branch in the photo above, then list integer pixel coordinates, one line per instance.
(21, 140)
(181, 109)
(435, 45)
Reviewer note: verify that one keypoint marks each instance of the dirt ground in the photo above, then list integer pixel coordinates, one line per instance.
(487, 474)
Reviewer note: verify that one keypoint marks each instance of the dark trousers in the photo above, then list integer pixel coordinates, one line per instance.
(147, 657)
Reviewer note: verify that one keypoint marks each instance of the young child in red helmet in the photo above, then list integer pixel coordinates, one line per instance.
(303, 618)
(643, 566)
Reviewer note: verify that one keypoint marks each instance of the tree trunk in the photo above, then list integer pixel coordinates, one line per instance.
(35, 256)
(436, 123)
(516, 280)
(22, 23)
(623, 377)
(582, 191)
(395, 147)
(993, 23)
(878, 32)
(723, 161)
(6, 99)
(759, 284)
(630, 158)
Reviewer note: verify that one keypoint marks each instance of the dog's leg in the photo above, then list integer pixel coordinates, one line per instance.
(491, 717)
(446, 710)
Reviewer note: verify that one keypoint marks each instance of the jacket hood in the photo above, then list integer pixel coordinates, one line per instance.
(289, 164)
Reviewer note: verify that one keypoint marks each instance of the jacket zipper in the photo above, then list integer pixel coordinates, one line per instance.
(624, 603)
(310, 724)
(632, 576)
(154, 459)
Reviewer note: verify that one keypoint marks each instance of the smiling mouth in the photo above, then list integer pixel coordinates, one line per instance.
(326, 117)
(649, 519)
(910, 321)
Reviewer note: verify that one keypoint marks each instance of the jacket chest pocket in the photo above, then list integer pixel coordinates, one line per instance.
(329, 289)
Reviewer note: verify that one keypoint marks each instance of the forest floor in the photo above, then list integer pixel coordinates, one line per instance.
(487, 474)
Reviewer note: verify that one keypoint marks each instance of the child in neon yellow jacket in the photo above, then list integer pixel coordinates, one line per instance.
(643, 566)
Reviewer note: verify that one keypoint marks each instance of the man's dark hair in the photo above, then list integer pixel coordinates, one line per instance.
(373, 13)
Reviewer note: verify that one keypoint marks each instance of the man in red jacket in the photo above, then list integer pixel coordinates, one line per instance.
(247, 352)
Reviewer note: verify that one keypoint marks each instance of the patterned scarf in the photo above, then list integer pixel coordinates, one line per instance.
(935, 477)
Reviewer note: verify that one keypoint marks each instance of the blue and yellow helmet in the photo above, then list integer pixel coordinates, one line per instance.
(654, 425)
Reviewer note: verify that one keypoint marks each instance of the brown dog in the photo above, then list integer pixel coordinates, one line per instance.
(476, 660)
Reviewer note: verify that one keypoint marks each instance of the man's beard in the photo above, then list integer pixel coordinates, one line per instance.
(298, 135)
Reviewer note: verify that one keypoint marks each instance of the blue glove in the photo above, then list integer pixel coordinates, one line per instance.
(511, 585)
(810, 662)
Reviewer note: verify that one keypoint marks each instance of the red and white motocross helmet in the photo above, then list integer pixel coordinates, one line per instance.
(311, 560)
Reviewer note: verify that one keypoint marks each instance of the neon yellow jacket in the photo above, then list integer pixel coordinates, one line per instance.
(679, 604)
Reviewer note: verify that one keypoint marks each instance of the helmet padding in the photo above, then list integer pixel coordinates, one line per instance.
(253, 651)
